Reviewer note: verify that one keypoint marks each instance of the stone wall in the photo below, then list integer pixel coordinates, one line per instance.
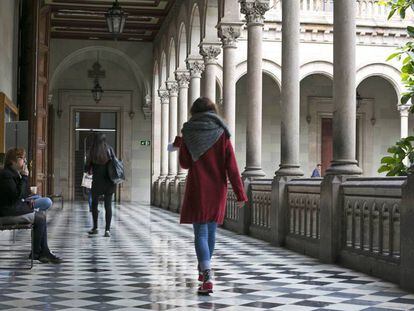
(8, 50)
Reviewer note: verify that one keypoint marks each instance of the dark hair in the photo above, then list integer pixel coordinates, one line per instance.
(318, 164)
(203, 104)
(98, 154)
(13, 155)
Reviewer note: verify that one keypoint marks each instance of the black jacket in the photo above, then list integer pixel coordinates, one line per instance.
(101, 183)
(13, 190)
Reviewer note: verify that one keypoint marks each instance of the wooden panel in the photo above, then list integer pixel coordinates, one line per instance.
(327, 144)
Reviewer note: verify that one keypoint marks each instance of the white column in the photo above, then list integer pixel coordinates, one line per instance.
(196, 68)
(172, 88)
(404, 113)
(254, 11)
(210, 51)
(183, 79)
(229, 32)
(164, 99)
(344, 91)
(290, 104)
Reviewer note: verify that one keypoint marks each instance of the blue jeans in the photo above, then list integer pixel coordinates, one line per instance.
(41, 204)
(204, 240)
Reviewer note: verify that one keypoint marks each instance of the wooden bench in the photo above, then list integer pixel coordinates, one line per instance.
(14, 227)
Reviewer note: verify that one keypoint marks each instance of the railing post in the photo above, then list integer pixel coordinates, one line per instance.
(246, 212)
(407, 235)
(331, 218)
(279, 210)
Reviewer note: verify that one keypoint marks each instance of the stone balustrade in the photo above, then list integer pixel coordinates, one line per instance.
(260, 203)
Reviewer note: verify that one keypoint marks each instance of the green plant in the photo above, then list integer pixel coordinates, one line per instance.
(394, 164)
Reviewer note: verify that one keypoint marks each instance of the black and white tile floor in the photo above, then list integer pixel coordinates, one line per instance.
(149, 264)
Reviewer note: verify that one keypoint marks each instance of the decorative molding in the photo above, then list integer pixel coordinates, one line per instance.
(195, 66)
(183, 78)
(147, 107)
(164, 96)
(404, 110)
(254, 10)
(210, 51)
(229, 33)
(172, 87)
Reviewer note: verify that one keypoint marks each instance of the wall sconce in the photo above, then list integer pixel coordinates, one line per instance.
(131, 114)
(59, 112)
(308, 119)
(373, 120)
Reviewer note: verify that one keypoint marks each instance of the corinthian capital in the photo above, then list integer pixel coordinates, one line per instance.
(183, 78)
(164, 96)
(196, 67)
(172, 87)
(254, 10)
(210, 51)
(229, 33)
(404, 110)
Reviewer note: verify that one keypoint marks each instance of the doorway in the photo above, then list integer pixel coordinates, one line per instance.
(87, 123)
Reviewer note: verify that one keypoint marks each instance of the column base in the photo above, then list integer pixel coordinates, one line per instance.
(289, 170)
(344, 167)
(253, 172)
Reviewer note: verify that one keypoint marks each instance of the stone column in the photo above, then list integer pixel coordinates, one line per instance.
(290, 126)
(254, 11)
(165, 99)
(183, 79)
(172, 88)
(404, 113)
(344, 90)
(229, 32)
(196, 68)
(210, 51)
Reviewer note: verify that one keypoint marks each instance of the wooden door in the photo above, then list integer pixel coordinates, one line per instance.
(39, 124)
(327, 144)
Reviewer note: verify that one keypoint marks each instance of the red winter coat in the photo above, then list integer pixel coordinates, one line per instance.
(206, 188)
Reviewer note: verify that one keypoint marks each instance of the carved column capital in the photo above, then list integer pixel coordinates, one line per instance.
(164, 96)
(404, 110)
(254, 10)
(172, 87)
(229, 32)
(195, 66)
(210, 51)
(183, 78)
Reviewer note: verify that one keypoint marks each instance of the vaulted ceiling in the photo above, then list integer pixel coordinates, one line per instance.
(85, 19)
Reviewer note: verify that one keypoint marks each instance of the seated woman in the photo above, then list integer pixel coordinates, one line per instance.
(17, 205)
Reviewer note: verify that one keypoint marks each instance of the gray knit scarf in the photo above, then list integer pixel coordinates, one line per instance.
(202, 131)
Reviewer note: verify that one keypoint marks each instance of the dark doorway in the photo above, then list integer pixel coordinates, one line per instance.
(86, 124)
(327, 144)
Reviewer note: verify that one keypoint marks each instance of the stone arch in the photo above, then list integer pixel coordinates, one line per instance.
(182, 47)
(271, 68)
(316, 67)
(195, 31)
(76, 55)
(172, 65)
(385, 71)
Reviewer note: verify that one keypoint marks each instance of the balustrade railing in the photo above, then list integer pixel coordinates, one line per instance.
(304, 207)
(232, 211)
(260, 223)
(371, 220)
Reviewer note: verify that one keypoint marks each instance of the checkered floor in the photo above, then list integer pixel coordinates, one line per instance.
(149, 264)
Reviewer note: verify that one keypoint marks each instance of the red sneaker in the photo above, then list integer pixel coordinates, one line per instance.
(207, 286)
(200, 276)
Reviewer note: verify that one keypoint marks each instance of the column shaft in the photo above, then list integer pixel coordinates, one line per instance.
(290, 125)
(344, 90)
(164, 132)
(210, 51)
(172, 133)
(196, 67)
(183, 78)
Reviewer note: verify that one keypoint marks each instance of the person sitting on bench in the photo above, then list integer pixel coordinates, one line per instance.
(16, 204)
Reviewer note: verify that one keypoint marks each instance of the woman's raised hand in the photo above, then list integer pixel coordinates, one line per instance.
(240, 204)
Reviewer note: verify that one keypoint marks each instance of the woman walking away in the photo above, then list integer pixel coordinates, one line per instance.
(206, 151)
(97, 165)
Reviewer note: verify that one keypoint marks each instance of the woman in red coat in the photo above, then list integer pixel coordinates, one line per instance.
(206, 151)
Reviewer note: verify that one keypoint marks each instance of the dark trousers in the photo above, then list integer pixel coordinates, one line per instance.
(40, 235)
(108, 210)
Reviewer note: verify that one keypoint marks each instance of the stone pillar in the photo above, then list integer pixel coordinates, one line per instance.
(210, 51)
(344, 91)
(165, 99)
(404, 113)
(229, 32)
(254, 11)
(196, 68)
(172, 88)
(183, 79)
(290, 127)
